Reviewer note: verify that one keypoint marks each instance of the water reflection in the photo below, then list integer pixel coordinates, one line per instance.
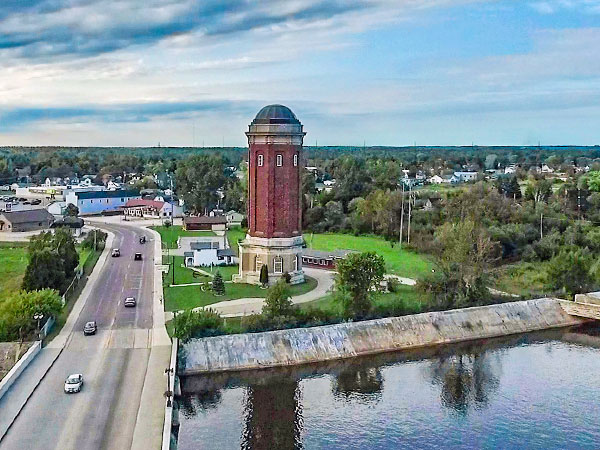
(272, 416)
(466, 380)
(472, 395)
(362, 383)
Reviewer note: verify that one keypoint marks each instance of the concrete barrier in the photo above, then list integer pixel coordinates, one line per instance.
(166, 439)
(346, 340)
(19, 367)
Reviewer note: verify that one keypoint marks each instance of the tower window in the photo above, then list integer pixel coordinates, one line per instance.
(295, 263)
(278, 264)
(260, 160)
(295, 160)
(279, 160)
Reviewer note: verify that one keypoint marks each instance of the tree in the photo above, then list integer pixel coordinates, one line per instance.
(71, 211)
(358, 275)
(264, 275)
(218, 286)
(278, 301)
(571, 271)
(198, 179)
(18, 310)
(45, 270)
(52, 261)
(465, 251)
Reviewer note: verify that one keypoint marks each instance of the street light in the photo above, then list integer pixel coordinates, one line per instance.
(38, 316)
(169, 371)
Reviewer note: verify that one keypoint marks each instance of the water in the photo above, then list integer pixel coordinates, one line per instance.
(535, 391)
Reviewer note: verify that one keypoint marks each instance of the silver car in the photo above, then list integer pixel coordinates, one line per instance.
(73, 383)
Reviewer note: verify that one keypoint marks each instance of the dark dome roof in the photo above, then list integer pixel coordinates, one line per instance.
(275, 114)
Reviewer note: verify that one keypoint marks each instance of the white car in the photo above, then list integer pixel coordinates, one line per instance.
(73, 383)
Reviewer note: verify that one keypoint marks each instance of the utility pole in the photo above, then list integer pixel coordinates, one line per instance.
(402, 215)
(541, 225)
(173, 264)
(409, 213)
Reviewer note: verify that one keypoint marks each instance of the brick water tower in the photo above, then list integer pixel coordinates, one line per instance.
(274, 235)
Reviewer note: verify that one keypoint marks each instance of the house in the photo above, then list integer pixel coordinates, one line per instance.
(100, 202)
(436, 179)
(547, 169)
(464, 177)
(215, 223)
(207, 254)
(25, 220)
(154, 209)
(73, 224)
(322, 260)
(234, 218)
(510, 169)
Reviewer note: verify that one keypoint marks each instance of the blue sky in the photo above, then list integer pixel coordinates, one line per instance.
(185, 72)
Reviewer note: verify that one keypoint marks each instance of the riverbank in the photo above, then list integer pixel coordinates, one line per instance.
(347, 340)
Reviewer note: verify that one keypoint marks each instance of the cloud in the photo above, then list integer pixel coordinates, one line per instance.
(554, 6)
(44, 28)
(13, 118)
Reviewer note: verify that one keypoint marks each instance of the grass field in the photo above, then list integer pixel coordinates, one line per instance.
(398, 261)
(13, 262)
(170, 234)
(187, 297)
(525, 279)
(234, 235)
(183, 275)
(406, 295)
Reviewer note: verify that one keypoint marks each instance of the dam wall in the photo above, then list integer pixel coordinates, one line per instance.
(346, 340)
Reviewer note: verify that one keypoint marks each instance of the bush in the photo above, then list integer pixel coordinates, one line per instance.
(198, 324)
(100, 237)
(278, 301)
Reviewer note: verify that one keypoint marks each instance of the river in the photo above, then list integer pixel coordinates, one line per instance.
(534, 391)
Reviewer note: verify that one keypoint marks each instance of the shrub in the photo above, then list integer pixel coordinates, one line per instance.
(264, 275)
(278, 301)
(218, 286)
(196, 324)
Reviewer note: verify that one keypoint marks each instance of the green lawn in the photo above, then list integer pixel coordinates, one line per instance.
(170, 234)
(234, 235)
(13, 257)
(187, 297)
(183, 275)
(398, 261)
(405, 295)
(525, 279)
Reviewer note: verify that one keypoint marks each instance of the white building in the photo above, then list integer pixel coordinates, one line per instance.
(466, 176)
(436, 179)
(207, 254)
(153, 209)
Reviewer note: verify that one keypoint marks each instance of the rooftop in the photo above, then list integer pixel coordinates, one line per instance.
(27, 215)
(274, 114)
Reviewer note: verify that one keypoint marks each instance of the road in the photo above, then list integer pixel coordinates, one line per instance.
(113, 362)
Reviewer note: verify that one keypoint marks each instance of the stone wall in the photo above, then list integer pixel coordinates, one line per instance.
(346, 340)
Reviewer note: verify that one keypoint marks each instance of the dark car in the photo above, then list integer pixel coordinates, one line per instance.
(90, 328)
(130, 302)
(137, 256)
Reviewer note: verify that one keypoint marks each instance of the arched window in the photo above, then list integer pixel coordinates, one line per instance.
(295, 160)
(295, 263)
(257, 263)
(260, 160)
(278, 264)
(279, 160)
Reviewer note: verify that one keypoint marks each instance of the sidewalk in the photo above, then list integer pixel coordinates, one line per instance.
(245, 306)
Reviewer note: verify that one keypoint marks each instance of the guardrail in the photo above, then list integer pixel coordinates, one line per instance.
(166, 440)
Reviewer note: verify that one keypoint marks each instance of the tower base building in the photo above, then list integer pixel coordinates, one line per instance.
(274, 235)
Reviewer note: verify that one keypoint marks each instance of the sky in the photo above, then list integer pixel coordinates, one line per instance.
(355, 72)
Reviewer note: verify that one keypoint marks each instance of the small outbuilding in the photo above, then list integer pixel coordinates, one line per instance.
(208, 223)
(323, 260)
(25, 220)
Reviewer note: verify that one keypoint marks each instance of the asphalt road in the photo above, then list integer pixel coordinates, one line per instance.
(113, 363)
